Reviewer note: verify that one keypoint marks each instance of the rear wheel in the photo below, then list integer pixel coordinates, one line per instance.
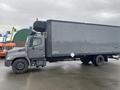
(20, 66)
(98, 60)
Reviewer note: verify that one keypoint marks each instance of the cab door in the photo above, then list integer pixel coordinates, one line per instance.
(36, 48)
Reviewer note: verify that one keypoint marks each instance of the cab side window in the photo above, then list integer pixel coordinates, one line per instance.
(36, 41)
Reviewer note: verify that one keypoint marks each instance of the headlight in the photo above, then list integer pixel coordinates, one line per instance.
(9, 57)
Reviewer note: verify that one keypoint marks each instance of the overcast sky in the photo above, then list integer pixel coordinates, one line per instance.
(22, 13)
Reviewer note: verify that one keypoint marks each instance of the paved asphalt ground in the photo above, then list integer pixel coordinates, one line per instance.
(63, 76)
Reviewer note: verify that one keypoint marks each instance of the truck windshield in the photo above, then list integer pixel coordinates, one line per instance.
(28, 42)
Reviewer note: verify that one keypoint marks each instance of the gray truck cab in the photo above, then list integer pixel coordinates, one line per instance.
(33, 54)
(35, 46)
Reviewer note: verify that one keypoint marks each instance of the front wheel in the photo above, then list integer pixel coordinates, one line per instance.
(20, 66)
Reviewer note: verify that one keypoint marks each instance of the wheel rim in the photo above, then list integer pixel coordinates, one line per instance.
(20, 66)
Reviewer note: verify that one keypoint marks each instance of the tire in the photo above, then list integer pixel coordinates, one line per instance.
(85, 60)
(20, 66)
(98, 60)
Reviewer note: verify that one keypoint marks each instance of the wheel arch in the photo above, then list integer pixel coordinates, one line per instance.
(21, 58)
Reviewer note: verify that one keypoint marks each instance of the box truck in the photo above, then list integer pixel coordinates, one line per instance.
(56, 40)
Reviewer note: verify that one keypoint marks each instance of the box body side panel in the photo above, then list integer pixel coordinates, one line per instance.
(65, 38)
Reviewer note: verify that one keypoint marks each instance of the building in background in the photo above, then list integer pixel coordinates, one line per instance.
(12, 39)
(20, 37)
(16, 36)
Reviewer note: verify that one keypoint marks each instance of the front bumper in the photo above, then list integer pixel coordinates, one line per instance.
(8, 63)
